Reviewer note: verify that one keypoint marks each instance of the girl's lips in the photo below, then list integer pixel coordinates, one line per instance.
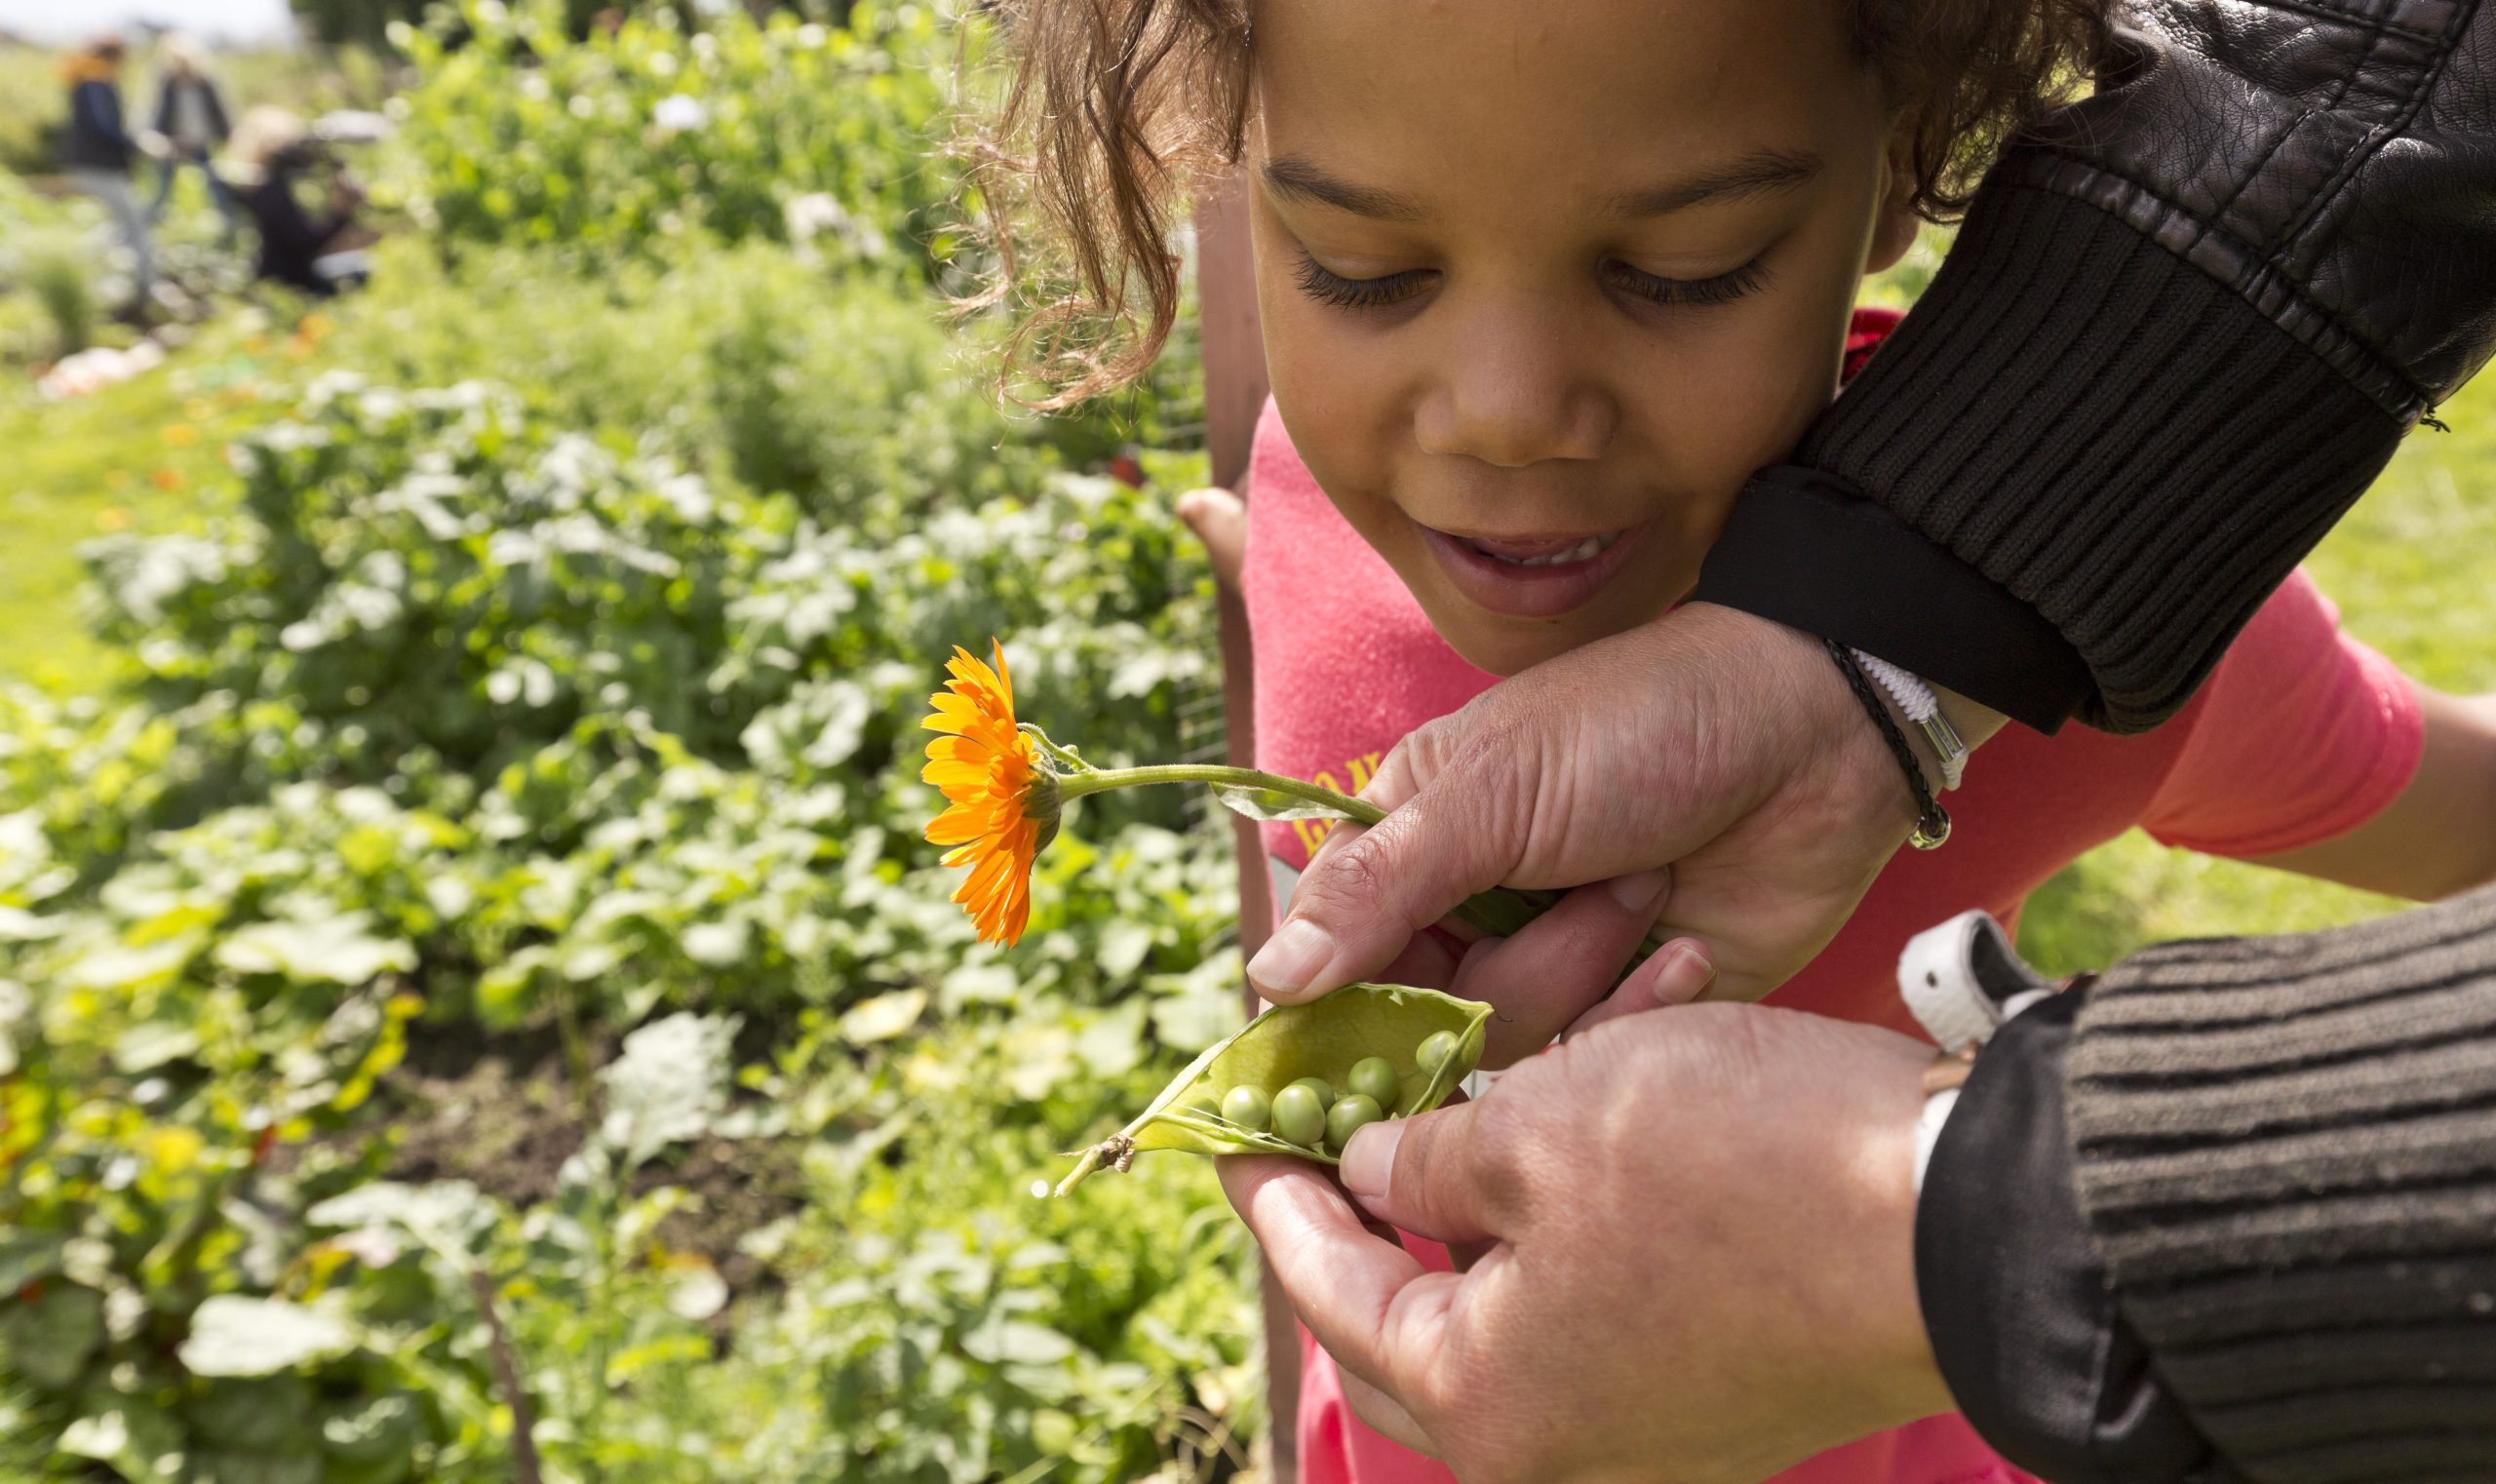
(1541, 579)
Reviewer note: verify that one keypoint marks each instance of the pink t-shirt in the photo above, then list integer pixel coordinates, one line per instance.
(2302, 734)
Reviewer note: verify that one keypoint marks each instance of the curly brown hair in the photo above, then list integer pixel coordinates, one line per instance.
(1111, 106)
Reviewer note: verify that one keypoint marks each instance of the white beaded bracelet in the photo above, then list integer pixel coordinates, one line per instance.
(1922, 711)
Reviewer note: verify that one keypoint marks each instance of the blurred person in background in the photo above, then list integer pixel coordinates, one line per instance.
(96, 151)
(190, 118)
(304, 246)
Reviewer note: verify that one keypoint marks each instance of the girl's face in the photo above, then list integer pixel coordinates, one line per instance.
(1543, 283)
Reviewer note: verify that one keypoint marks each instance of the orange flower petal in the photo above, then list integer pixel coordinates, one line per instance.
(988, 771)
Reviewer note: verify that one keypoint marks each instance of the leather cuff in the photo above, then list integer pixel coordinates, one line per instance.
(1806, 549)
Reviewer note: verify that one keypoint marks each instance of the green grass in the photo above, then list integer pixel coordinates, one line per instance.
(2413, 569)
(133, 456)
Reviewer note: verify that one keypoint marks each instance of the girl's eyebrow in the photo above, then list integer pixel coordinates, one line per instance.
(1298, 179)
(1766, 171)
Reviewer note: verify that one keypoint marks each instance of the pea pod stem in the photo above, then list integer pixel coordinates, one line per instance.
(1095, 780)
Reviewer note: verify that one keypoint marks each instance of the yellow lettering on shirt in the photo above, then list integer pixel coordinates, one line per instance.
(1313, 833)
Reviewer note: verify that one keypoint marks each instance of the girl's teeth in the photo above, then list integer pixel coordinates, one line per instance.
(1585, 551)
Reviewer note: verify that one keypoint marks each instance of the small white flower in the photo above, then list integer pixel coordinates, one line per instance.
(813, 213)
(679, 113)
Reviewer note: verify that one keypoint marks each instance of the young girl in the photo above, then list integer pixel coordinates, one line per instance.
(1541, 285)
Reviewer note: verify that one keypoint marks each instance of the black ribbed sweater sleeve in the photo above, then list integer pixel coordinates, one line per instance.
(2286, 1151)
(2234, 1216)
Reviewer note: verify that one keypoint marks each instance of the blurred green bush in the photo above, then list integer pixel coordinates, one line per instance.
(609, 147)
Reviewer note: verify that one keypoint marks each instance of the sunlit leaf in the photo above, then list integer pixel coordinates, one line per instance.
(882, 1017)
(1267, 806)
(236, 1335)
(337, 950)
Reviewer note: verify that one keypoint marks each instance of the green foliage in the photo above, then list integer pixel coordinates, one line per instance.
(749, 363)
(451, 714)
(43, 255)
(619, 144)
(54, 269)
(34, 102)
(336, 23)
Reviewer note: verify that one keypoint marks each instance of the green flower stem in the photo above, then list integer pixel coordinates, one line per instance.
(1094, 780)
(1500, 911)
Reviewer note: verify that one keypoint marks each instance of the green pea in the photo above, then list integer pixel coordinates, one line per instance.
(1435, 1050)
(1299, 1117)
(1202, 1105)
(1373, 1077)
(1353, 1112)
(1248, 1106)
(1324, 1090)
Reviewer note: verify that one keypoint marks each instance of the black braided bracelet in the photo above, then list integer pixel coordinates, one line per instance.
(1932, 821)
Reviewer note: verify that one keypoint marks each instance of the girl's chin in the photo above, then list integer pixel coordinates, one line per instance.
(1502, 647)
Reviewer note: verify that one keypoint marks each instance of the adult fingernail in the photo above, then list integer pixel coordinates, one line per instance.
(1290, 959)
(1685, 974)
(1369, 1159)
(1640, 891)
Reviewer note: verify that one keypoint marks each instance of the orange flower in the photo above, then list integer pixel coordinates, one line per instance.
(1003, 798)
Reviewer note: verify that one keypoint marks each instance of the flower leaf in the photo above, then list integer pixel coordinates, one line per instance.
(1267, 806)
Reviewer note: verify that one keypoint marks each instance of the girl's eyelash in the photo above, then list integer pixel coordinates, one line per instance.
(1340, 293)
(1722, 289)
(1357, 293)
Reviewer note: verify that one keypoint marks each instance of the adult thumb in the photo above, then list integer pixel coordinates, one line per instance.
(1435, 1175)
(1366, 894)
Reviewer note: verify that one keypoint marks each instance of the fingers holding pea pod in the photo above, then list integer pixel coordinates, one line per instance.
(1299, 1080)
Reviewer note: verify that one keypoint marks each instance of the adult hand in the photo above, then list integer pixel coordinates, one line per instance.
(1723, 748)
(1700, 1263)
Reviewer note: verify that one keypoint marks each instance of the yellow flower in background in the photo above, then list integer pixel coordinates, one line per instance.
(1002, 798)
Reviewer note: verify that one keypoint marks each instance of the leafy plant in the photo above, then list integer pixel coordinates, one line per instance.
(54, 269)
(613, 146)
(449, 715)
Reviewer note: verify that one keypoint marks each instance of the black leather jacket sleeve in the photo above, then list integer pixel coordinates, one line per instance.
(2185, 324)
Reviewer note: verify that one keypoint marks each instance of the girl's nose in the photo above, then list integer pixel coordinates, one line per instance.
(1516, 398)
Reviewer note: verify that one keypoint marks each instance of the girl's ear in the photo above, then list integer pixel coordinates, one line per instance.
(1896, 230)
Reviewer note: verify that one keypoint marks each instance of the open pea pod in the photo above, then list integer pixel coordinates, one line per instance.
(1322, 1038)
